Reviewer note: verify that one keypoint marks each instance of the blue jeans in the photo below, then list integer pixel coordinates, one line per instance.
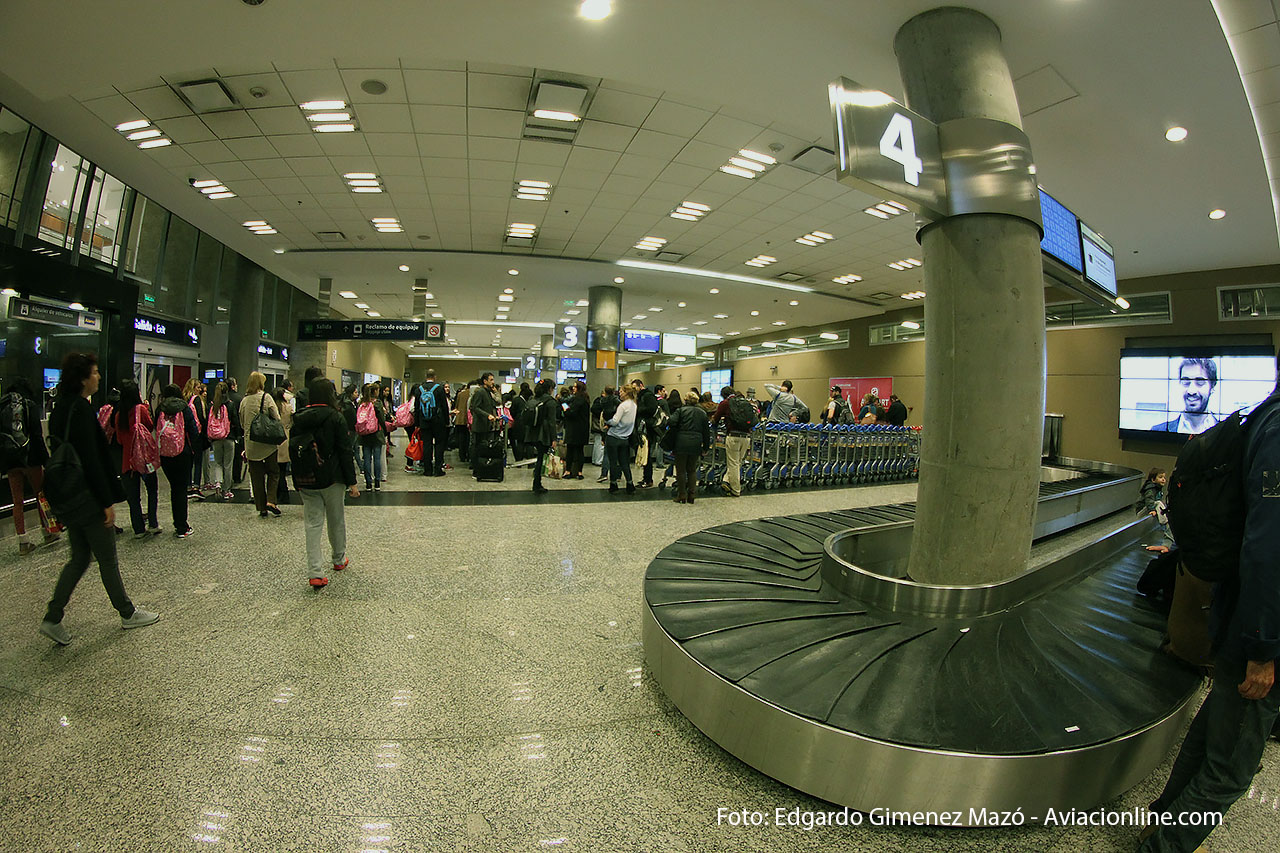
(371, 464)
(1216, 763)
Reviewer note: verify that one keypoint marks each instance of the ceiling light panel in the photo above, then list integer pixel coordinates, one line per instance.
(913, 295)
(532, 190)
(886, 210)
(213, 189)
(651, 244)
(363, 182)
(387, 225)
(142, 132)
(260, 227)
(522, 230)
(814, 238)
(847, 279)
(905, 264)
(748, 164)
(328, 116)
(690, 211)
(761, 261)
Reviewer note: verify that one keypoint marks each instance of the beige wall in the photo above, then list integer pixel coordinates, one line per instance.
(1083, 381)
(380, 357)
(457, 371)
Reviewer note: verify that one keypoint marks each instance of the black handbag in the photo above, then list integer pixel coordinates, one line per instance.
(66, 487)
(266, 429)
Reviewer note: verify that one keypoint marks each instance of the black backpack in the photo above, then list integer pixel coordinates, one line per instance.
(844, 412)
(743, 416)
(1206, 505)
(310, 466)
(14, 441)
(530, 416)
(65, 485)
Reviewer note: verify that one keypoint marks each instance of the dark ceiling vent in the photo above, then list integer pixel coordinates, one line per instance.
(331, 236)
(789, 276)
(518, 242)
(669, 257)
(881, 295)
(207, 96)
(815, 159)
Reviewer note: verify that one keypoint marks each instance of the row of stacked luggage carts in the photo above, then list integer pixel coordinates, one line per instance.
(785, 454)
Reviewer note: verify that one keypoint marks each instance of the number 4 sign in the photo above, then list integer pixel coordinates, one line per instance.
(886, 148)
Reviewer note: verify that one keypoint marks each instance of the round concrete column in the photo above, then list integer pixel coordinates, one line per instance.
(603, 313)
(984, 321)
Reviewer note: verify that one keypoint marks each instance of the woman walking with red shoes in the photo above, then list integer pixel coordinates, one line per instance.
(324, 472)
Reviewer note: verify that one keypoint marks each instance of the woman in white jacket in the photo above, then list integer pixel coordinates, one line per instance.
(617, 442)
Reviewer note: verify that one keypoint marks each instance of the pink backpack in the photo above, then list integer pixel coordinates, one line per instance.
(171, 435)
(107, 422)
(404, 415)
(145, 451)
(366, 419)
(219, 424)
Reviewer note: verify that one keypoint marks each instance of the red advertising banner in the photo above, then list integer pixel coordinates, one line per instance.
(857, 387)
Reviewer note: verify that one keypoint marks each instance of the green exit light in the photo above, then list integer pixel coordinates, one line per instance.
(147, 297)
(264, 333)
(570, 302)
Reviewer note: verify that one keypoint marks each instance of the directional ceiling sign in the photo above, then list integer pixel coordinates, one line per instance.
(885, 148)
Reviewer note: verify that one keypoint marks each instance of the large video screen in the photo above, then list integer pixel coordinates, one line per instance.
(637, 341)
(676, 344)
(1061, 232)
(1186, 390)
(714, 380)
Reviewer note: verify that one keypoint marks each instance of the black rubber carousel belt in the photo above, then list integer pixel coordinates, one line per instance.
(1076, 666)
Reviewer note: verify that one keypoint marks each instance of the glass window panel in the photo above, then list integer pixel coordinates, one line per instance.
(102, 219)
(146, 231)
(227, 286)
(15, 136)
(205, 282)
(61, 199)
(179, 251)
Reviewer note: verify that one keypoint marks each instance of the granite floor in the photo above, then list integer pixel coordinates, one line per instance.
(474, 681)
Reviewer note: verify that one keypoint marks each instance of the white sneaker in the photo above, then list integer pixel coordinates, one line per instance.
(54, 631)
(140, 619)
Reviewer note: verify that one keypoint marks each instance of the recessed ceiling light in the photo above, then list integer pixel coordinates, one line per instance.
(847, 279)
(1217, 213)
(278, 251)
(362, 305)
(721, 316)
(640, 317)
(76, 306)
(714, 290)
(323, 105)
(404, 268)
(347, 294)
(595, 10)
(744, 348)
(797, 341)
(909, 324)
(329, 117)
(583, 303)
(156, 143)
(779, 322)
(814, 238)
(506, 297)
(755, 313)
(149, 133)
(618, 279)
(682, 328)
(699, 322)
(794, 302)
(829, 336)
(681, 304)
(573, 313)
(334, 128)
(650, 244)
(437, 315)
(655, 310)
(761, 261)
(1175, 134)
(556, 115)
(132, 125)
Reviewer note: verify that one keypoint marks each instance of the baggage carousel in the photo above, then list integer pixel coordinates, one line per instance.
(798, 645)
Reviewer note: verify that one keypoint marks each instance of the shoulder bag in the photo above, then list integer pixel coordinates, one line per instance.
(266, 429)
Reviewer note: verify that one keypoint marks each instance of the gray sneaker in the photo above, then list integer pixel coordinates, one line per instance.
(140, 619)
(54, 631)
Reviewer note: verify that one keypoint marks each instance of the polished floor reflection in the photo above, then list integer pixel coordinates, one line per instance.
(475, 681)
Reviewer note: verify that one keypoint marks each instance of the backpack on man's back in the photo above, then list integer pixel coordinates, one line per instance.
(743, 416)
(1206, 504)
(14, 441)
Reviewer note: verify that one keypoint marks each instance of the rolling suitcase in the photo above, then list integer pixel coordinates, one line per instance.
(490, 463)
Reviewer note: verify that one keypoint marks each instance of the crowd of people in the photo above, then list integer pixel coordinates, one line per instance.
(206, 438)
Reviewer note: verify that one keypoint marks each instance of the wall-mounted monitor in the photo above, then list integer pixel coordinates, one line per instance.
(637, 341)
(573, 364)
(715, 379)
(1171, 391)
(1061, 233)
(1099, 259)
(51, 376)
(677, 344)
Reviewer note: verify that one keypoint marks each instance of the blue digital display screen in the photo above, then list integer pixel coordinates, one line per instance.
(641, 341)
(1061, 232)
(51, 376)
(570, 363)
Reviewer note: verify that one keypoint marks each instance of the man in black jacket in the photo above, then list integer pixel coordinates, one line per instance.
(646, 410)
(237, 430)
(434, 430)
